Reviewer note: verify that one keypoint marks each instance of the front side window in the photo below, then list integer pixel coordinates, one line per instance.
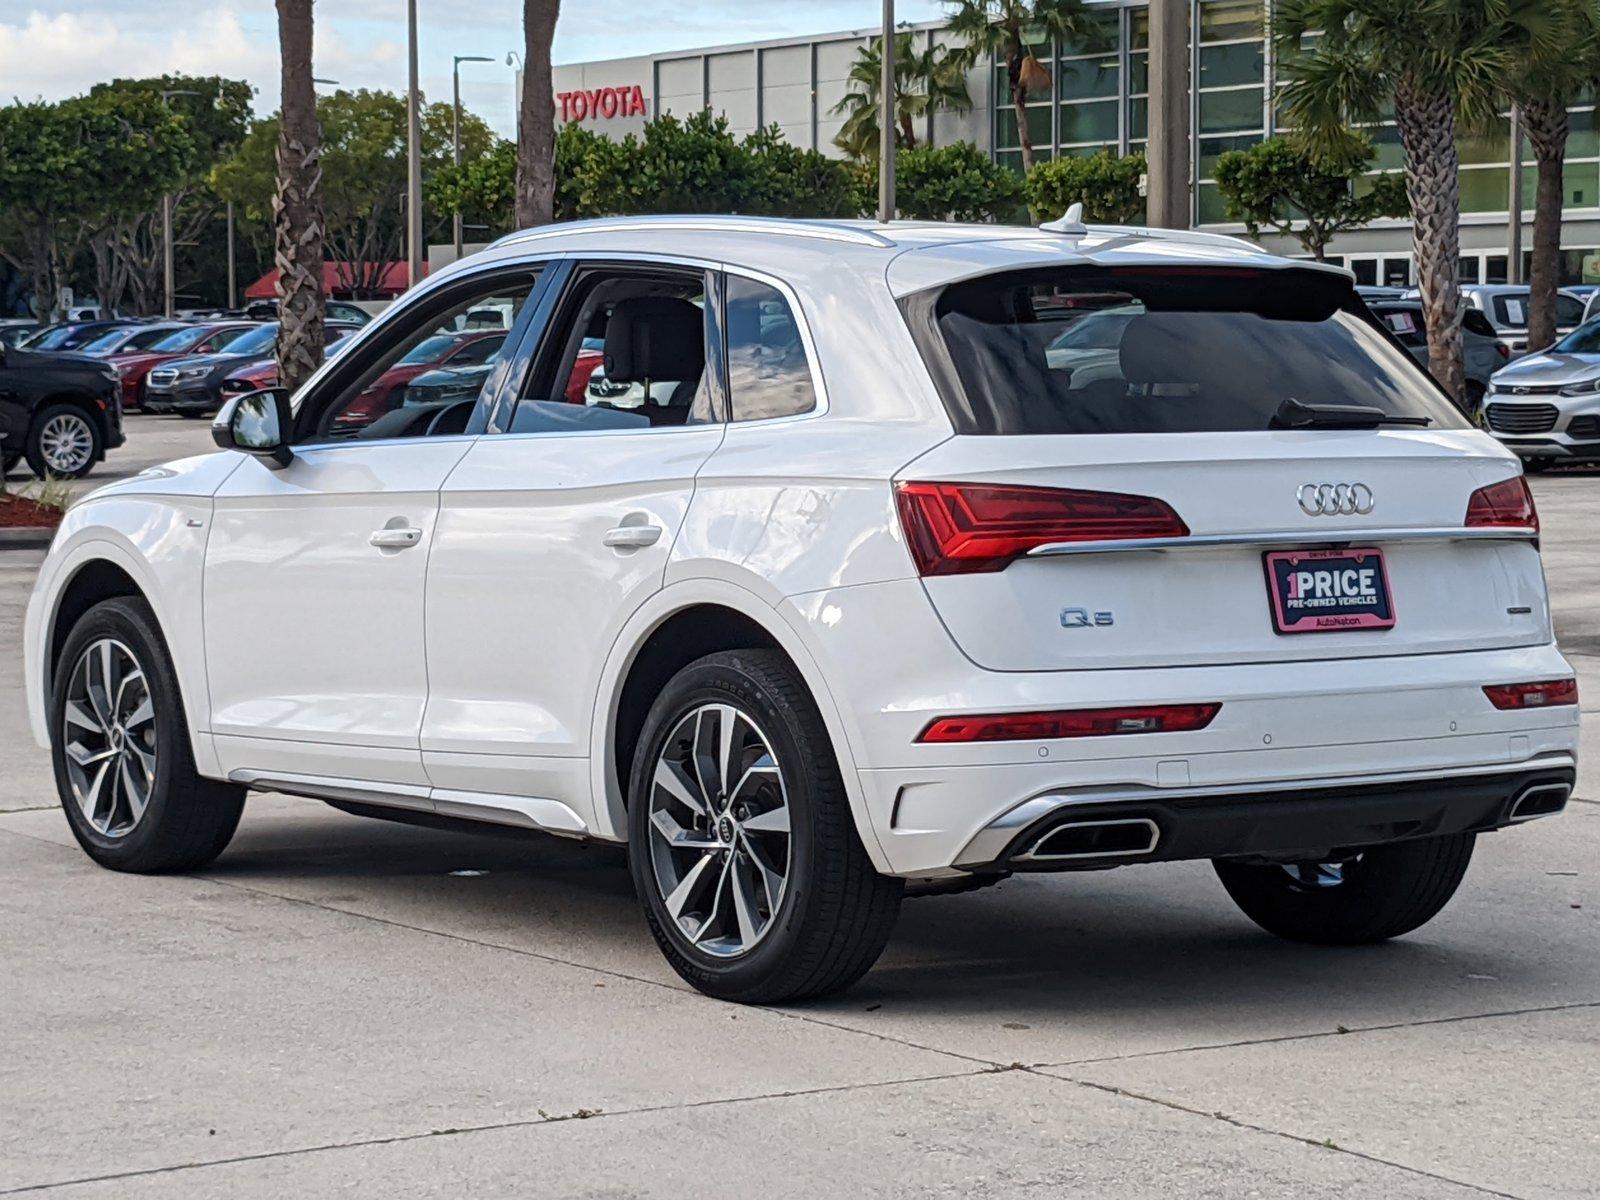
(1095, 350)
(768, 372)
(262, 340)
(408, 385)
(1585, 339)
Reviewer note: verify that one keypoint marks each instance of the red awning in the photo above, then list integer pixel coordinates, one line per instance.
(339, 279)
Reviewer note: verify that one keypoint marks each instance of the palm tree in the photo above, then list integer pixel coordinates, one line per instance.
(297, 206)
(536, 119)
(1006, 29)
(1438, 62)
(927, 81)
(1544, 86)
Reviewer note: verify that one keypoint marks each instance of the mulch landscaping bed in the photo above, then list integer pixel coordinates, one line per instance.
(17, 512)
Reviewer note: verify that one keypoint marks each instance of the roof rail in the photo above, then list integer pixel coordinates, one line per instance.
(785, 226)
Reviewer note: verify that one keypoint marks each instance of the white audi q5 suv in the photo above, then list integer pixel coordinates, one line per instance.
(811, 558)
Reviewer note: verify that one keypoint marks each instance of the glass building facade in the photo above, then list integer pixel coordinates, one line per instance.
(1099, 101)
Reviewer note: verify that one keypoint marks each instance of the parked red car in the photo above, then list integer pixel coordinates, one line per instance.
(263, 372)
(207, 338)
(387, 391)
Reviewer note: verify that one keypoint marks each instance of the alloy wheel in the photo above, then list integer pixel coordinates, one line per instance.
(66, 443)
(719, 830)
(108, 736)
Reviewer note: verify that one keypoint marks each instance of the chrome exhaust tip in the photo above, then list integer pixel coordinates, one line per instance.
(1540, 800)
(1124, 837)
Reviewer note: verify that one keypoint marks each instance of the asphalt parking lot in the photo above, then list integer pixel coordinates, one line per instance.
(339, 1005)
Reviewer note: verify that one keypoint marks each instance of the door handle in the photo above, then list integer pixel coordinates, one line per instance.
(633, 537)
(395, 539)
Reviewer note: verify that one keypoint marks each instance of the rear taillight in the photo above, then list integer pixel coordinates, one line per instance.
(1070, 723)
(1545, 694)
(1507, 503)
(966, 528)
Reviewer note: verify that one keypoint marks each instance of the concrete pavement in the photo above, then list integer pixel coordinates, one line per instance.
(340, 1005)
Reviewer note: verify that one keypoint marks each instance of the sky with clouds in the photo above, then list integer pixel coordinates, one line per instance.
(57, 49)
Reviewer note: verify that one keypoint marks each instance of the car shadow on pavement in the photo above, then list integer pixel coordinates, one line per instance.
(1139, 946)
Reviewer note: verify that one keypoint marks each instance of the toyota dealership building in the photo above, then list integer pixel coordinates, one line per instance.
(1099, 101)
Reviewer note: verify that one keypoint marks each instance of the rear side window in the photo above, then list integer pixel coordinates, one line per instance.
(1091, 350)
(1474, 321)
(1405, 324)
(768, 372)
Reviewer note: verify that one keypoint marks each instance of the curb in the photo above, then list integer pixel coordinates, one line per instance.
(26, 539)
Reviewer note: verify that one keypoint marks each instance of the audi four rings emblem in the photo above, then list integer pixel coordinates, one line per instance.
(1335, 499)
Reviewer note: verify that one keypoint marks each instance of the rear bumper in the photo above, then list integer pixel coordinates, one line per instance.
(1285, 729)
(1066, 832)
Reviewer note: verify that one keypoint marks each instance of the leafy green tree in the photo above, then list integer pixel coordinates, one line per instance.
(957, 182)
(1106, 186)
(1010, 30)
(363, 176)
(927, 80)
(126, 249)
(1277, 185)
(787, 181)
(69, 168)
(1551, 75)
(1436, 63)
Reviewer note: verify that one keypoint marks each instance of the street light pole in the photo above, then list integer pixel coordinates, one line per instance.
(1514, 208)
(886, 120)
(414, 250)
(168, 258)
(455, 134)
(233, 272)
(1167, 171)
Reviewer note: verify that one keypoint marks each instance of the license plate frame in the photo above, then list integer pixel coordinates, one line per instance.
(1337, 602)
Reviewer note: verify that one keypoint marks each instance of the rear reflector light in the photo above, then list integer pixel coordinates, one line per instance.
(1507, 503)
(1533, 695)
(966, 528)
(1080, 722)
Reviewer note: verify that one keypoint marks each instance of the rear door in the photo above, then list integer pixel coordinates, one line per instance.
(1162, 520)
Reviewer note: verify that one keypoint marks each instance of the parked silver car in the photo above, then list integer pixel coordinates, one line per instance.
(1506, 307)
(1546, 406)
(1482, 352)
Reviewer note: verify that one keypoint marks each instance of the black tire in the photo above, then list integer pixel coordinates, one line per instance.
(1385, 892)
(187, 820)
(836, 911)
(36, 432)
(8, 462)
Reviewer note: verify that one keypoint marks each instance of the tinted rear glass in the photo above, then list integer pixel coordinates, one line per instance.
(1152, 351)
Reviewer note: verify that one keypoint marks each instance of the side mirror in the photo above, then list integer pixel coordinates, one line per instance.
(258, 423)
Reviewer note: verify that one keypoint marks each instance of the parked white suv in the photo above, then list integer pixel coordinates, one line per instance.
(875, 578)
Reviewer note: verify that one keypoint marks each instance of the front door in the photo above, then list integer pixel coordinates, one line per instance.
(315, 574)
(553, 532)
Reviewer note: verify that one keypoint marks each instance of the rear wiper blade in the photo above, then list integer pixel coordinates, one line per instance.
(1294, 414)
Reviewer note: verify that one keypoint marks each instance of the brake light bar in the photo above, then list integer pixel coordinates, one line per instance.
(1070, 723)
(1545, 694)
(970, 528)
(1508, 503)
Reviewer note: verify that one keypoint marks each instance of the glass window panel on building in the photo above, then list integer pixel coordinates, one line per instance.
(1104, 33)
(1096, 122)
(1231, 20)
(1224, 112)
(1485, 189)
(1039, 131)
(1088, 78)
(1238, 62)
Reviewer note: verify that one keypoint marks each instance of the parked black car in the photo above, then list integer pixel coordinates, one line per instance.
(73, 335)
(60, 411)
(192, 386)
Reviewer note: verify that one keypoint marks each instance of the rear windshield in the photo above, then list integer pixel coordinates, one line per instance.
(1089, 350)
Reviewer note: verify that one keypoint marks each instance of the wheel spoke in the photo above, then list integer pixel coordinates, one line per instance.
(744, 904)
(710, 921)
(771, 881)
(677, 836)
(79, 715)
(85, 757)
(130, 677)
(142, 713)
(671, 779)
(727, 727)
(89, 798)
(774, 820)
(134, 796)
(679, 899)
